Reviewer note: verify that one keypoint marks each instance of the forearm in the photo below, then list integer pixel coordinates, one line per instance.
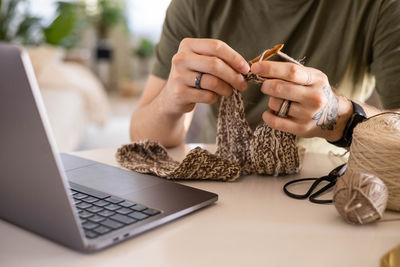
(371, 110)
(153, 123)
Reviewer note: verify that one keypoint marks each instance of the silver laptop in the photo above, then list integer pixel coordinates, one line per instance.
(79, 203)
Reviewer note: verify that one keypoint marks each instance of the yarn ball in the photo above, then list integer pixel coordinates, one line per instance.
(375, 149)
(360, 198)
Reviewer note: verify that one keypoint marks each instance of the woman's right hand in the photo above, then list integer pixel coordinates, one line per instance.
(222, 67)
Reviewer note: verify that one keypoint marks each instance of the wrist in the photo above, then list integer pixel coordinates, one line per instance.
(358, 115)
(345, 111)
(165, 110)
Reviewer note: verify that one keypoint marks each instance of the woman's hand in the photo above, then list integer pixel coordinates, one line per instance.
(315, 110)
(222, 68)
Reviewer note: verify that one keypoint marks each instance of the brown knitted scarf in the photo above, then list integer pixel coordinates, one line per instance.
(239, 150)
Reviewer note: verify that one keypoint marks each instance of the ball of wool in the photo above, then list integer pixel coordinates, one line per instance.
(360, 198)
(375, 149)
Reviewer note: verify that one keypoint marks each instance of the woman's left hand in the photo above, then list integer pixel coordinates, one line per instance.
(315, 110)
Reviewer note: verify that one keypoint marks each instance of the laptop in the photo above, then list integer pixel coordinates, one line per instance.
(79, 203)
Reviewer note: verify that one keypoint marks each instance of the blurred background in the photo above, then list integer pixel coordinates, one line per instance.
(91, 59)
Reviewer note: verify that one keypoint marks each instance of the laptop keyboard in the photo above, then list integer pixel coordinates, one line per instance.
(101, 213)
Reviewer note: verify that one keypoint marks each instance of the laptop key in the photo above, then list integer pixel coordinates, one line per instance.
(111, 224)
(112, 207)
(90, 225)
(106, 213)
(102, 230)
(94, 209)
(85, 214)
(123, 219)
(126, 204)
(90, 234)
(151, 212)
(124, 211)
(114, 200)
(96, 218)
(84, 205)
(138, 215)
(101, 203)
(88, 191)
(138, 207)
(77, 201)
(79, 196)
(90, 199)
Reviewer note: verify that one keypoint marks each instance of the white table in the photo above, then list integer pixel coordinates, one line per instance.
(253, 224)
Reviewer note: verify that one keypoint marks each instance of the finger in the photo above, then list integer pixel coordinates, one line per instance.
(286, 90)
(209, 82)
(216, 48)
(296, 110)
(193, 95)
(213, 66)
(285, 71)
(288, 124)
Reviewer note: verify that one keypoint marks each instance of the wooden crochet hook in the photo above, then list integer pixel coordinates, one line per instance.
(267, 54)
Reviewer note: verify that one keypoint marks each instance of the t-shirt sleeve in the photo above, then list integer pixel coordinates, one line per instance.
(178, 24)
(386, 54)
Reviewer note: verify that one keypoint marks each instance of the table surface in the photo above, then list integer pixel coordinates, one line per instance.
(252, 224)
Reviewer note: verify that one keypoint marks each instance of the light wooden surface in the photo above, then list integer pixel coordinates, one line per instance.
(253, 224)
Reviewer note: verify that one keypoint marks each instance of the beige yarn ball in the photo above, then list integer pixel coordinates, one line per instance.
(375, 149)
(360, 198)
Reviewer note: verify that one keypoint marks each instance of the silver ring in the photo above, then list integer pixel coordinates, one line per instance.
(284, 109)
(198, 80)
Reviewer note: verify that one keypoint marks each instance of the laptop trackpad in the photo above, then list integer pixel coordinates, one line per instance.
(111, 180)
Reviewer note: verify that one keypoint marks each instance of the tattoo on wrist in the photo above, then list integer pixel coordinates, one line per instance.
(327, 116)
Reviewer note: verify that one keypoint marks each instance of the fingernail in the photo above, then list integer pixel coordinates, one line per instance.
(244, 66)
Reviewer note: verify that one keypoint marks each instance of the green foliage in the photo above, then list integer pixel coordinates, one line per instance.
(145, 49)
(66, 27)
(110, 14)
(17, 25)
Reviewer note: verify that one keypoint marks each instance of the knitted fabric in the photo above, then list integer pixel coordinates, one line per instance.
(265, 151)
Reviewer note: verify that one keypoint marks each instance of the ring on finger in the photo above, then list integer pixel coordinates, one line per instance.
(198, 80)
(284, 109)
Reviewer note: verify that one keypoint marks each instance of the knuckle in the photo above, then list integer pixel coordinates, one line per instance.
(293, 71)
(318, 100)
(322, 77)
(215, 64)
(217, 45)
(185, 42)
(176, 76)
(275, 87)
(178, 58)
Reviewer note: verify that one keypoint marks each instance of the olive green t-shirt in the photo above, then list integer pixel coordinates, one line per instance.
(356, 43)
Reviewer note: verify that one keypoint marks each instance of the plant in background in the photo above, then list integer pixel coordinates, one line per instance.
(67, 26)
(145, 49)
(17, 25)
(110, 13)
